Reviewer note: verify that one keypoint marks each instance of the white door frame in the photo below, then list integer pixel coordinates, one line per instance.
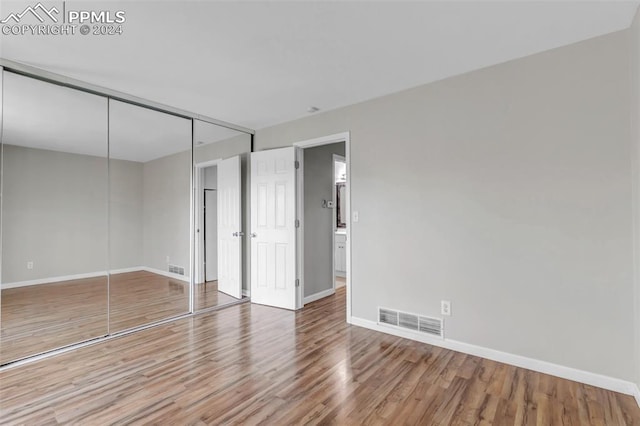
(199, 246)
(324, 140)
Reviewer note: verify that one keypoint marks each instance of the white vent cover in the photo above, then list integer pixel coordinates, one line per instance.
(428, 325)
(174, 269)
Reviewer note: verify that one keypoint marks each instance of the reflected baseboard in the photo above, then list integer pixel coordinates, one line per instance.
(165, 273)
(52, 280)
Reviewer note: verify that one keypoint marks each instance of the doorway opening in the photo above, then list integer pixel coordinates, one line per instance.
(208, 292)
(323, 242)
(210, 225)
(323, 192)
(294, 223)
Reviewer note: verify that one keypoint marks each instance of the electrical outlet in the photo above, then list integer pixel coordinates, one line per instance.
(30, 264)
(445, 307)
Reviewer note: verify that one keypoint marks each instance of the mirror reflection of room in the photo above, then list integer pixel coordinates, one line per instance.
(54, 281)
(220, 165)
(103, 216)
(149, 215)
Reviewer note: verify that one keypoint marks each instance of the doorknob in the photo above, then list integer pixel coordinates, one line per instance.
(238, 234)
(253, 235)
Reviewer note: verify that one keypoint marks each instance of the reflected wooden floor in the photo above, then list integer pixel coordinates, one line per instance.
(250, 364)
(141, 297)
(43, 317)
(208, 296)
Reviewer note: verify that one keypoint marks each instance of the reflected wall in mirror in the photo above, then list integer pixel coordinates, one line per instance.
(150, 159)
(54, 217)
(220, 156)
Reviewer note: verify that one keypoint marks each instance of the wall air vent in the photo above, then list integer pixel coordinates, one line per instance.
(397, 319)
(387, 316)
(176, 269)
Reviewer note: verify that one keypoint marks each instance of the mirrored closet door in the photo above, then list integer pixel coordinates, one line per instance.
(102, 218)
(149, 215)
(53, 279)
(220, 157)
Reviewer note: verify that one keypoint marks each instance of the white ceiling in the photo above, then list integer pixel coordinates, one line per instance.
(261, 63)
(46, 116)
(140, 134)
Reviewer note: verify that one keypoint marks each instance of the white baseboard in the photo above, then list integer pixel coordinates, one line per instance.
(593, 379)
(166, 273)
(318, 296)
(245, 292)
(51, 280)
(62, 278)
(126, 270)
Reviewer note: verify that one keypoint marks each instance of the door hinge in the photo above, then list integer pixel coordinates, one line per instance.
(297, 282)
(296, 164)
(297, 223)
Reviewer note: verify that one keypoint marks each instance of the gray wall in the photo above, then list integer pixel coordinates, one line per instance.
(125, 214)
(59, 221)
(51, 216)
(55, 213)
(507, 191)
(318, 221)
(634, 34)
(227, 148)
(166, 211)
(211, 177)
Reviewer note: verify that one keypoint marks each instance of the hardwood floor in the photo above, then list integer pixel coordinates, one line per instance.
(250, 364)
(43, 317)
(208, 296)
(141, 297)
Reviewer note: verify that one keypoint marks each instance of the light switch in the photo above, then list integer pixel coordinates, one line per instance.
(356, 216)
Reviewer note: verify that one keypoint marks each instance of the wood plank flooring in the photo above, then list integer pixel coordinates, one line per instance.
(250, 364)
(208, 296)
(43, 317)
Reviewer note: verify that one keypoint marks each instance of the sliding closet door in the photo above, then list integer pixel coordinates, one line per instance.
(53, 279)
(149, 215)
(219, 252)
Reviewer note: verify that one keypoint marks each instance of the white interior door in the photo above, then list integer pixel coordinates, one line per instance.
(229, 227)
(211, 235)
(273, 230)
